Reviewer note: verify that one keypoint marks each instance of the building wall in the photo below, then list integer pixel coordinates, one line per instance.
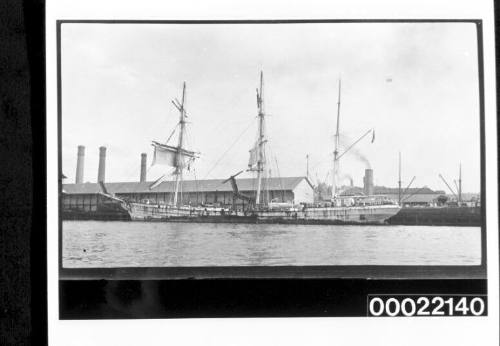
(80, 202)
(281, 196)
(416, 200)
(303, 193)
(90, 202)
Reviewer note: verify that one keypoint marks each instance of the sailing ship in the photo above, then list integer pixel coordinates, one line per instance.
(174, 156)
(341, 209)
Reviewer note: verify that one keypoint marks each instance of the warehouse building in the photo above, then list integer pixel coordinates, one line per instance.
(412, 197)
(86, 196)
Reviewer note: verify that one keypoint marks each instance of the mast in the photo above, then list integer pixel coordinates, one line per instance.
(336, 150)
(399, 181)
(460, 184)
(451, 190)
(179, 160)
(261, 139)
(307, 166)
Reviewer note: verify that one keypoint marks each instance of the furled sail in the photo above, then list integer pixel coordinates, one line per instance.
(254, 158)
(172, 156)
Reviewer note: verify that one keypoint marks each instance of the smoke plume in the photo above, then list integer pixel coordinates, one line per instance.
(345, 142)
(345, 176)
(362, 158)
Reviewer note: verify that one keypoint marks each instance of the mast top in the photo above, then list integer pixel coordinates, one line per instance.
(260, 98)
(338, 108)
(336, 148)
(257, 154)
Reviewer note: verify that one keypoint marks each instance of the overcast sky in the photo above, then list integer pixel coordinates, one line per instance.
(416, 84)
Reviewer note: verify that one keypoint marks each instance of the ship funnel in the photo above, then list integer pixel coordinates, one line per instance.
(101, 173)
(80, 164)
(368, 182)
(144, 159)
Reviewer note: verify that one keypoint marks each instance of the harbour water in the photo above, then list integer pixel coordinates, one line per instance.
(109, 244)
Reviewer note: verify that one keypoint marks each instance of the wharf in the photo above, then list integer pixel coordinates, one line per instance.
(438, 216)
(424, 216)
(97, 215)
(367, 272)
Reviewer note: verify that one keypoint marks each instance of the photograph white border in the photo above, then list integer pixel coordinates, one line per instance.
(289, 331)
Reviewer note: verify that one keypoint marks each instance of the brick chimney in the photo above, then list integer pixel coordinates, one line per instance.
(144, 159)
(101, 173)
(368, 182)
(80, 164)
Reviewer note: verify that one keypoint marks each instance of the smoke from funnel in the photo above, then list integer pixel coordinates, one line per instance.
(345, 142)
(346, 176)
(362, 158)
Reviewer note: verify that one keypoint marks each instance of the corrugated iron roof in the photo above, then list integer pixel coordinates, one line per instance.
(382, 190)
(416, 198)
(423, 195)
(209, 185)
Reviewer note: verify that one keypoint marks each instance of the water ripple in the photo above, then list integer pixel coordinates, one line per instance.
(142, 244)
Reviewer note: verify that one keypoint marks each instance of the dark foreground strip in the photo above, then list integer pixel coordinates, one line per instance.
(110, 299)
(277, 272)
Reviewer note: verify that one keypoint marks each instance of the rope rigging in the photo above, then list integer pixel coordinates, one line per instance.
(280, 179)
(228, 149)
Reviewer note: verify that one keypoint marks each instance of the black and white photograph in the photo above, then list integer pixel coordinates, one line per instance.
(271, 168)
(192, 145)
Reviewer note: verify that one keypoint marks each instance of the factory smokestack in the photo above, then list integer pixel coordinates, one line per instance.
(80, 164)
(368, 182)
(101, 173)
(351, 182)
(144, 158)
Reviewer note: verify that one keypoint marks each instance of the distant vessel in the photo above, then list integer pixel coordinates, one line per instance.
(360, 209)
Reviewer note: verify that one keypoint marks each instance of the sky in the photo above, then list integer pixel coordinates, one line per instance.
(416, 84)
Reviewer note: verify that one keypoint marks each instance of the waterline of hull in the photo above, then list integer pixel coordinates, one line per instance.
(321, 215)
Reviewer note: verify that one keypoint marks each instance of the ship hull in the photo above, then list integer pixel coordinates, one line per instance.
(361, 214)
(335, 215)
(317, 215)
(143, 212)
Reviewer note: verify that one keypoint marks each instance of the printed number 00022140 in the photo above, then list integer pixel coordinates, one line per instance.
(408, 306)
